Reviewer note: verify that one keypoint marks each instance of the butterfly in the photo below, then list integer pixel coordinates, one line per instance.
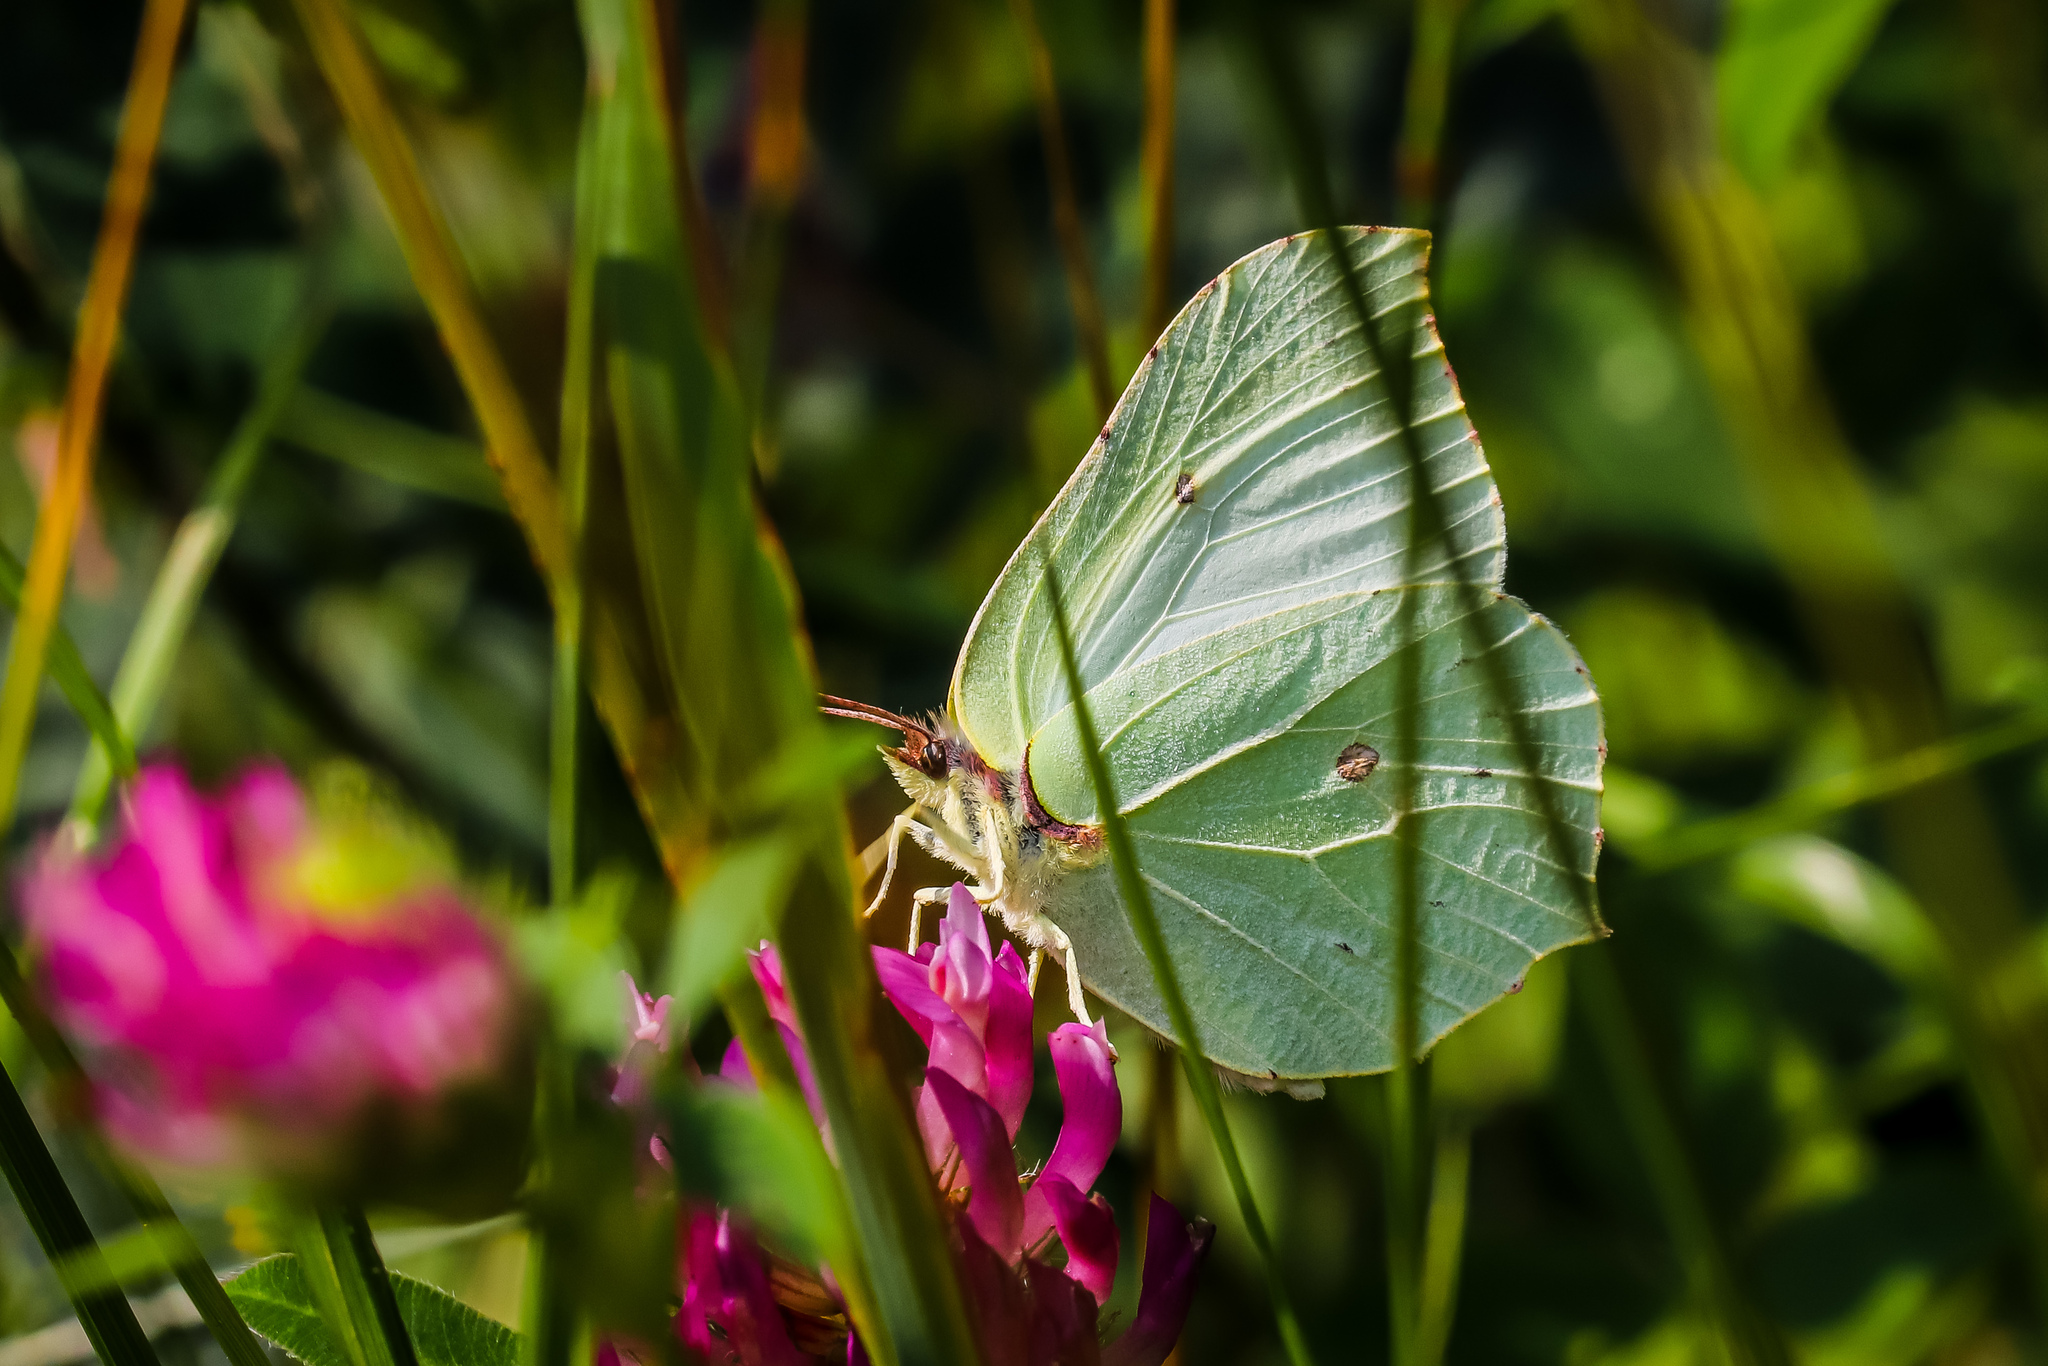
(1233, 550)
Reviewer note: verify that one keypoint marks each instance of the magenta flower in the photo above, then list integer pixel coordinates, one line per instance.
(972, 1008)
(252, 981)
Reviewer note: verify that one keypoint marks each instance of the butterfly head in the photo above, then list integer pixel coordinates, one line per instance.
(928, 758)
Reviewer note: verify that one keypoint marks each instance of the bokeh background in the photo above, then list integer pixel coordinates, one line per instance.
(1749, 301)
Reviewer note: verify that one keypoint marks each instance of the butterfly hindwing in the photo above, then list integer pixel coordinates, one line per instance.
(1257, 769)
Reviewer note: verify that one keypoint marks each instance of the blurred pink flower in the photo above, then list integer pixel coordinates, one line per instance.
(249, 981)
(972, 1008)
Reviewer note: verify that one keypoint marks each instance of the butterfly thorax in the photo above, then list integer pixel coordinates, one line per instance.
(994, 827)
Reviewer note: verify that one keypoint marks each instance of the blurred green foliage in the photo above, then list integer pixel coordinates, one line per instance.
(922, 404)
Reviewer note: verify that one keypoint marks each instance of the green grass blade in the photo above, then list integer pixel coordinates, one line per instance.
(1697, 1241)
(53, 1215)
(1710, 1277)
(140, 1189)
(67, 670)
(727, 644)
(1137, 898)
(189, 563)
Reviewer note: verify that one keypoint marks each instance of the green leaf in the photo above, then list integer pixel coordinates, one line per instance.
(729, 913)
(274, 1298)
(277, 1303)
(760, 1152)
(389, 448)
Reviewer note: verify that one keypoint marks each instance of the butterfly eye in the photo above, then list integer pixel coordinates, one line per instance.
(932, 758)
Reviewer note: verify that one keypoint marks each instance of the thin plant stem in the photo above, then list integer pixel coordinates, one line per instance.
(1407, 1101)
(578, 396)
(68, 1080)
(305, 1232)
(776, 147)
(1443, 1243)
(1710, 1279)
(99, 328)
(1806, 806)
(1137, 900)
(366, 1288)
(61, 1230)
(1430, 61)
(438, 273)
(188, 565)
(1090, 333)
(1155, 166)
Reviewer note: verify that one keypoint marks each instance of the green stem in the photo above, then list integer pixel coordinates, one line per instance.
(1090, 333)
(1422, 122)
(366, 1288)
(565, 717)
(67, 670)
(1443, 1242)
(1406, 1102)
(1155, 168)
(1137, 899)
(1813, 803)
(196, 548)
(54, 1217)
(775, 164)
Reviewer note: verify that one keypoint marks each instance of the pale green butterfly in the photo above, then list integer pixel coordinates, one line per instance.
(1233, 551)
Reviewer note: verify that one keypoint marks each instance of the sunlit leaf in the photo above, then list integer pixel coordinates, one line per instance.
(274, 1298)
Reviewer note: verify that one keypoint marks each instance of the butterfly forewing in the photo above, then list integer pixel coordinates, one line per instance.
(1251, 466)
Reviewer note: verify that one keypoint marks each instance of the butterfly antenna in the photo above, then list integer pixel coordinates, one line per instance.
(864, 711)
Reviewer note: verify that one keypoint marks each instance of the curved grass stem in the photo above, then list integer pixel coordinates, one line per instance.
(1137, 900)
(99, 329)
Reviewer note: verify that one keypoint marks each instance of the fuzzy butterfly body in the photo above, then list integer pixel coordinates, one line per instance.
(1234, 550)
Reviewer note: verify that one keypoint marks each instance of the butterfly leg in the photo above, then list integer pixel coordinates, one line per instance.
(1063, 949)
(898, 828)
(923, 897)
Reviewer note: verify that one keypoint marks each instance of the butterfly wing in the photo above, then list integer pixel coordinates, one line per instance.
(1258, 768)
(1233, 552)
(1295, 488)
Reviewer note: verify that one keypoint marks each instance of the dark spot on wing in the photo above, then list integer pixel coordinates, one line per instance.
(1482, 773)
(1184, 488)
(1515, 987)
(1347, 948)
(1355, 762)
